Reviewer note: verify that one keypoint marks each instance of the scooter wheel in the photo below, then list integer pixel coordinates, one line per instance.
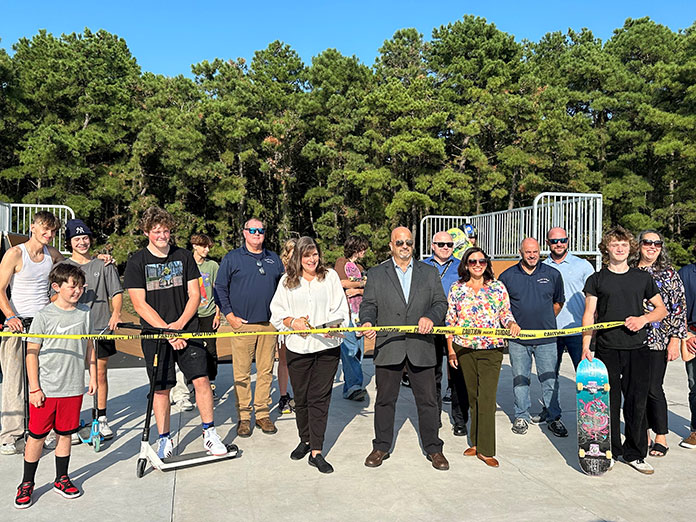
(96, 442)
(141, 468)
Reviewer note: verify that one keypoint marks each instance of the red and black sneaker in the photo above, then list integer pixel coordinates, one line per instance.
(23, 498)
(64, 486)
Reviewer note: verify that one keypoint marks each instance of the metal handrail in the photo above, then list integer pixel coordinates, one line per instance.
(16, 218)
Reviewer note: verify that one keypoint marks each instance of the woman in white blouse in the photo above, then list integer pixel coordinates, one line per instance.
(310, 294)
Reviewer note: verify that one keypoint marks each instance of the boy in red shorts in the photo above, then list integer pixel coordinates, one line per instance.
(56, 374)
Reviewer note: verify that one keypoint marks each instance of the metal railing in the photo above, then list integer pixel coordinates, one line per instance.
(16, 218)
(501, 232)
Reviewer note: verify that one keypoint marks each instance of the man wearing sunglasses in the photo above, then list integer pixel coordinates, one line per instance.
(575, 272)
(536, 298)
(447, 265)
(404, 291)
(245, 285)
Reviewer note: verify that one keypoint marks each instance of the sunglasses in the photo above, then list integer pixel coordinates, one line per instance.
(480, 262)
(255, 230)
(400, 242)
(261, 270)
(562, 240)
(650, 242)
(440, 244)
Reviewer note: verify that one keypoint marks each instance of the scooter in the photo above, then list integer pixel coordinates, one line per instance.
(147, 453)
(90, 434)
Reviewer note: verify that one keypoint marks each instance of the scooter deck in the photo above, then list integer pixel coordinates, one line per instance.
(196, 458)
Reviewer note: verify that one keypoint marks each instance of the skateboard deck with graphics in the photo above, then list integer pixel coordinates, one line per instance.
(594, 428)
(461, 242)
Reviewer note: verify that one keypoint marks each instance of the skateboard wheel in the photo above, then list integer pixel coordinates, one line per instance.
(580, 386)
(581, 453)
(608, 454)
(606, 387)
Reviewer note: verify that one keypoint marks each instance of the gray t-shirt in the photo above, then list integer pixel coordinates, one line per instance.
(102, 283)
(61, 361)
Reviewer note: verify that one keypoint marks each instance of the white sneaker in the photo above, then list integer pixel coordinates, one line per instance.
(165, 448)
(75, 439)
(50, 441)
(212, 442)
(8, 448)
(185, 404)
(104, 428)
(642, 466)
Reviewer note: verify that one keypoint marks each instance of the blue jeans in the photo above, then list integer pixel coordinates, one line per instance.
(350, 360)
(573, 343)
(546, 357)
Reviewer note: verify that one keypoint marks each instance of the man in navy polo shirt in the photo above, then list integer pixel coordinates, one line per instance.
(536, 298)
(246, 282)
(447, 266)
(688, 276)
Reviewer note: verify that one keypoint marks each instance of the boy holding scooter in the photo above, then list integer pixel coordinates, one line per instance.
(56, 375)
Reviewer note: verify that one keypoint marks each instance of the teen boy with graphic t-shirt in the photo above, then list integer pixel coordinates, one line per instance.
(162, 282)
(617, 293)
(101, 284)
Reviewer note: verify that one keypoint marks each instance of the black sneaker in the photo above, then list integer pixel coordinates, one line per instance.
(300, 451)
(64, 486)
(284, 405)
(541, 418)
(24, 492)
(319, 463)
(520, 426)
(557, 428)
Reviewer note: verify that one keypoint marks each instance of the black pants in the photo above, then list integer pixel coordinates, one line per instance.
(205, 324)
(460, 396)
(629, 374)
(388, 380)
(657, 402)
(311, 376)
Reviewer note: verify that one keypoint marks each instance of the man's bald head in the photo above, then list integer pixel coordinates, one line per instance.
(529, 250)
(401, 244)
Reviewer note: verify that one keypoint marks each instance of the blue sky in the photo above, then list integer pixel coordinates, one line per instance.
(167, 37)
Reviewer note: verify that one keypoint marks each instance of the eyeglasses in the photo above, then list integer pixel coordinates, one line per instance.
(480, 262)
(562, 240)
(261, 270)
(400, 242)
(440, 244)
(255, 230)
(649, 242)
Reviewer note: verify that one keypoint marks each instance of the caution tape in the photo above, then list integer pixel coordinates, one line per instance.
(502, 333)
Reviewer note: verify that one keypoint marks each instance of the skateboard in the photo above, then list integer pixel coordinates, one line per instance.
(461, 242)
(594, 428)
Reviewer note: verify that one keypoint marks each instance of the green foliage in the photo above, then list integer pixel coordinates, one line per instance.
(469, 122)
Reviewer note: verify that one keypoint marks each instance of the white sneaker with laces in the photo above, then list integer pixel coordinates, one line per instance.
(8, 448)
(212, 442)
(75, 439)
(104, 428)
(642, 466)
(165, 447)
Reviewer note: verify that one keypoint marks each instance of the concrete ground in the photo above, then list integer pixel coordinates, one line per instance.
(538, 479)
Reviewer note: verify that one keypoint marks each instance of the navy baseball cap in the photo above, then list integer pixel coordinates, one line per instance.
(76, 227)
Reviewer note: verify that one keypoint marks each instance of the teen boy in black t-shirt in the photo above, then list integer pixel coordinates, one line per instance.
(162, 282)
(617, 293)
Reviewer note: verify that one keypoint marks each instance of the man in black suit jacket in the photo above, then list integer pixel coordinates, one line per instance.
(404, 291)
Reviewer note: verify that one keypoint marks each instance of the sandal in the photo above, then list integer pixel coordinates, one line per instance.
(658, 450)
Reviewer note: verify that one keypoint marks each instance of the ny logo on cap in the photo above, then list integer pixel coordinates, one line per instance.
(79, 230)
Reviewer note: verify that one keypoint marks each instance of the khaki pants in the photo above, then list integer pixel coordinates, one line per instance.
(12, 413)
(244, 349)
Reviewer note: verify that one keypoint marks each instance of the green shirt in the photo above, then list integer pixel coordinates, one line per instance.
(208, 270)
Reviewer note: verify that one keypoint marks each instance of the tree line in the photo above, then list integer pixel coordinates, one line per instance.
(468, 122)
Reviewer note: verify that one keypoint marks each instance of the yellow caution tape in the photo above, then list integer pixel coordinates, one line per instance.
(460, 331)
